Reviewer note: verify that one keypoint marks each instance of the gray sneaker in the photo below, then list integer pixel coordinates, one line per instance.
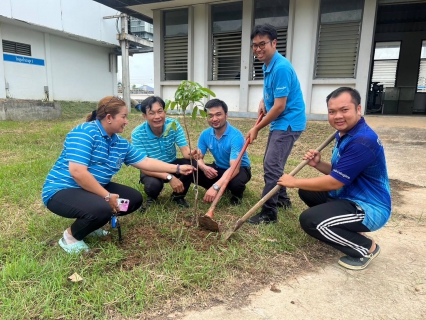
(359, 263)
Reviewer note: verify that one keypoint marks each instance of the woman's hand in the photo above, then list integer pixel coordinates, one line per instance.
(113, 202)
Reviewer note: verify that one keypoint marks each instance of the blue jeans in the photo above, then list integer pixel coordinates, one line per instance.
(278, 149)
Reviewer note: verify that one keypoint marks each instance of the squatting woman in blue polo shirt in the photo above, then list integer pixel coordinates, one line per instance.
(79, 184)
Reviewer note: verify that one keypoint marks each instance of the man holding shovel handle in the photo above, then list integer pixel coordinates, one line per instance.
(353, 194)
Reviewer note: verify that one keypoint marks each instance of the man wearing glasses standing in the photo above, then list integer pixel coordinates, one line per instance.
(284, 107)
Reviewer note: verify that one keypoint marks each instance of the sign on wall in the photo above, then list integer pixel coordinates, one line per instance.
(23, 59)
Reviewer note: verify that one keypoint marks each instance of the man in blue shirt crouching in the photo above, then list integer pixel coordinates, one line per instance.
(225, 143)
(353, 195)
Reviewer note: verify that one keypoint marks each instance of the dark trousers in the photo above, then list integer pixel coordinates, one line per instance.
(90, 210)
(153, 186)
(236, 186)
(336, 222)
(278, 149)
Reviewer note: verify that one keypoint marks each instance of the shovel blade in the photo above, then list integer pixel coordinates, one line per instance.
(208, 223)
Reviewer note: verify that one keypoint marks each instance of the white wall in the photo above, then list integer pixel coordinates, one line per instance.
(73, 70)
(25, 81)
(77, 17)
(72, 39)
(80, 71)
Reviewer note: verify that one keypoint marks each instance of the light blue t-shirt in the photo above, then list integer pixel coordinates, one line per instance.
(227, 148)
(359, 162)
(160, 148)
(88, 144)
(280, 80)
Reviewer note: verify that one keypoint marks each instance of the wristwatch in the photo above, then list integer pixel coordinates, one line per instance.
(169, 177)
(108, 197)
(216, 187)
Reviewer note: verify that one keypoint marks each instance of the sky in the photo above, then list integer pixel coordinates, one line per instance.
(141, 69)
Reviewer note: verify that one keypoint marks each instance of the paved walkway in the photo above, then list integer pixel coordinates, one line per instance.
(394, 285)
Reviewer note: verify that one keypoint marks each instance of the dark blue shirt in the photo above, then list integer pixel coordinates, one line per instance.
(359, 162)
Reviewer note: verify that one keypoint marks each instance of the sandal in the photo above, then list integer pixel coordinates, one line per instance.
(75, 247)
(98, 233)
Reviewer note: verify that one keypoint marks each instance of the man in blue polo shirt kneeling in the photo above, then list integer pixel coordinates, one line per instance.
(149, 138)
(224, 143)
(353, 195)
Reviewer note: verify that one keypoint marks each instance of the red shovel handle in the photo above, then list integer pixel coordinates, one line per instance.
(230, 173)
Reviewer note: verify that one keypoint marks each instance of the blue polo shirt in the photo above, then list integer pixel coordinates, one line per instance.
(227, 148)
(359, 162)
(160, 148)
(280, 80)
(88, 144)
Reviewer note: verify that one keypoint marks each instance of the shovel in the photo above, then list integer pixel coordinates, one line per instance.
(267, 196)
(206, 221)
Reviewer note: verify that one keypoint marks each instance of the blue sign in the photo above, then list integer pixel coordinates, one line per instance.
(22, 59)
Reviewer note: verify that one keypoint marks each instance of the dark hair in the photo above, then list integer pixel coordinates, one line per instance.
(148, 102)
(264, 30)
(216, 103)
(108, 105)
(356, 98)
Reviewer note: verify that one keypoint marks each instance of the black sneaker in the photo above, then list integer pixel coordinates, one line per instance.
(359, 263)
(235, 201)
(263, 218)
(181, 202)
(285, 204)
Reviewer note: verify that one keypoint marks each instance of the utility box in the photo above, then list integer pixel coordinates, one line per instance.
(406, 100)
(390, 102)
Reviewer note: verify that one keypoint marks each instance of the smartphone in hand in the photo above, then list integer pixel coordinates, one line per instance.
(123, 204)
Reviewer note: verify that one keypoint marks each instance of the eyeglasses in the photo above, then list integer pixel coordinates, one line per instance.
(116, 97)
(261, 45)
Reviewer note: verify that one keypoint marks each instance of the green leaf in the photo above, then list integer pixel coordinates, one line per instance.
(194, 112)
(209, 92)
(169, 127)
(203, 113)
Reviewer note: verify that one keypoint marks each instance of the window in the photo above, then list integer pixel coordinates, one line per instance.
(338, 38)
(274, 12)
(175, 54)
(386, 55)
(16, 48)
(226, 41)
(421, 82)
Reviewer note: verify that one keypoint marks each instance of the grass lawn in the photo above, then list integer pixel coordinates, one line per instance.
(163, 263)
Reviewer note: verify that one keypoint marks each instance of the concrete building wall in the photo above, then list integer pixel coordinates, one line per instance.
(26, 81)
(76, 17)
(81, 71)
(72, 70)
(73, 44)
(243, 96)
